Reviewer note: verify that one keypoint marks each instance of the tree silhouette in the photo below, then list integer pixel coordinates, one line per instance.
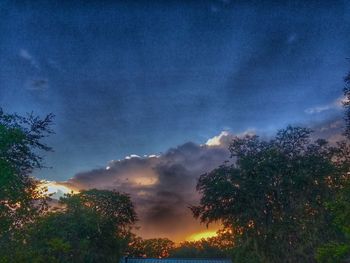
(20, 198)
(273, 196)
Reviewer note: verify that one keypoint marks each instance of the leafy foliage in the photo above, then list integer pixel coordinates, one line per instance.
(219, 246)
(92, 227)
(154, 247)
(338, 250)
(20, 198)
(112, 207)
(273, 196)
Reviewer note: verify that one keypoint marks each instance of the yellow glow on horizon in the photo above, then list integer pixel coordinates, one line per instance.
(201, 235)
(55, 188)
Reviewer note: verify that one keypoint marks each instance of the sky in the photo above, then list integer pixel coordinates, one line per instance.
(147, 94)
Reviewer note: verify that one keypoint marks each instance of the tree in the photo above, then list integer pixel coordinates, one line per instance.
(338, 249)
(20, 198)
(153, 248)
(273, 196)
(91, 227)
(112, 207)
(219, 246)
(158, 247)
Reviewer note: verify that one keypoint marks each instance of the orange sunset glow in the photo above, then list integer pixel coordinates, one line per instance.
(201, 235)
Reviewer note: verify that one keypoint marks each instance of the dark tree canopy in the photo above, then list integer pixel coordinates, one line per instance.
(338, 249)
(219, 246)
(153, 247)
(21, 200)
(111, 206)
(92, 226)
(273, 196)
(20, 144)
(21, 138)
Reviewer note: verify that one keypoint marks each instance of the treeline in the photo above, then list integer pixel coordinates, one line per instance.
(219, 246)
(282, 200)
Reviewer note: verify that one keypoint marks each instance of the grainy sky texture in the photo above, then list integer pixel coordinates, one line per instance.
(160, 78)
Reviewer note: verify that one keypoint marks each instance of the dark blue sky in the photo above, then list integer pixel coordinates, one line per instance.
(138, 78)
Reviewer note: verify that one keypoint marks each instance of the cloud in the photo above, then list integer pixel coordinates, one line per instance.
(25, 55)
(334, 105)
(331, 129)
(163, 186)
(36, 83)
(225, 137)
(216, 140)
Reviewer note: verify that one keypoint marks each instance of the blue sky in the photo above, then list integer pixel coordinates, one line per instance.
(138, 78)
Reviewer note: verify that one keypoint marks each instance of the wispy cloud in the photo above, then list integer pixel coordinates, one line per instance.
(334, 105)
(25, 55)
(35, 83)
